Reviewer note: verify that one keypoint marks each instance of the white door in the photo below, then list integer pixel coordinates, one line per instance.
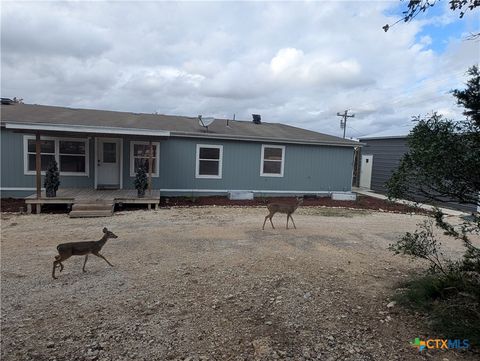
(366, 171)
(108, 163)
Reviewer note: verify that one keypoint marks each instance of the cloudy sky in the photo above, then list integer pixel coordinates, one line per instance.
(292, 62)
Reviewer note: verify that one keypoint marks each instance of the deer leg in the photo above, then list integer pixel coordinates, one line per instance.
(53, 271)
(84, 263)
(288, 216)
(263, 227)
(271, 221)
(293, 222)
(99, 255)
(58, 263)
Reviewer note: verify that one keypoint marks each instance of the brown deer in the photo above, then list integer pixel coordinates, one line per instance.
(67, 250)
(281, 207)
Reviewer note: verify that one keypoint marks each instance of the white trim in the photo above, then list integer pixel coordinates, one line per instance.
(220, 161)
(204, 190)
(120, 150)
(95, 161)
(250, 190)
(57, 154)
(86, 129)
(121, 163)
(282, 147)
(19, 189)
(157, 157)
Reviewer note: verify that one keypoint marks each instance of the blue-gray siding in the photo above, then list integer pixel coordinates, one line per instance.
(307, 168)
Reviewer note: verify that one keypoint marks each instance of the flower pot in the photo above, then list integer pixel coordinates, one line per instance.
(51, 192)
(141, 193)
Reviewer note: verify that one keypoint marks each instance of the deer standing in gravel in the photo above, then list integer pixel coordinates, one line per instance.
(67, 250)
(282, 207)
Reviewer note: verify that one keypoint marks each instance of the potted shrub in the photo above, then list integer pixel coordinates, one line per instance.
(52, 179)
(141, 180)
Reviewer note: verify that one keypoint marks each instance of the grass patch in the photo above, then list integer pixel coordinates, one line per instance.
(450, 304)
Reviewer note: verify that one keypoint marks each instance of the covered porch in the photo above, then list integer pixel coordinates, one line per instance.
(84, 196)
(96, 165)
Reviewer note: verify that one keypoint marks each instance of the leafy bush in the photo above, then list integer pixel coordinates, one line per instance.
(141, 180)
(52, 179)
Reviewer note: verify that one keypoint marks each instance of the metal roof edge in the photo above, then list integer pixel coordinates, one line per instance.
(384, 137)
(84, 129)
(262, 139)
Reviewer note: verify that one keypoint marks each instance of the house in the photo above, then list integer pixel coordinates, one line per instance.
(98, 149)
(380, 157)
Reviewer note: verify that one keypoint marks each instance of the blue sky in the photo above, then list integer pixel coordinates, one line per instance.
(292, 62)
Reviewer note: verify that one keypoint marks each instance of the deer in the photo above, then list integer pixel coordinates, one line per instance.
(67, 250)
(281, 207)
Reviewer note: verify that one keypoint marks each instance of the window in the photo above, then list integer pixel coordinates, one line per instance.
(209, 161)
(71, 155)
(139, 155)
(47, 152)
(273, 159)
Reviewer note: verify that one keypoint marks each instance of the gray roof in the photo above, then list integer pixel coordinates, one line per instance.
(180, 126)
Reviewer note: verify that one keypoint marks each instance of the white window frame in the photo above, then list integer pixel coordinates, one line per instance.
(220, 162)
(262, 174)
(57, 140)
(156, 158)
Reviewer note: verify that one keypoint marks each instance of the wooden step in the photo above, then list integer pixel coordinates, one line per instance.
(91, 206)
(82, 209)
(90, 214)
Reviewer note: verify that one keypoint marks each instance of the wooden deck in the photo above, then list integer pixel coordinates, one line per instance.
(70, 196)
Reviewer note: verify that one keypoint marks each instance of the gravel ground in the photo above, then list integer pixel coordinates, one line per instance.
(208, 284)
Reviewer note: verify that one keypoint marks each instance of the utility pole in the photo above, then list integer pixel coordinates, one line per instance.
(343, 121)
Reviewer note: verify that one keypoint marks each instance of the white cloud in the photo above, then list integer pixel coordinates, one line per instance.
(297, 63)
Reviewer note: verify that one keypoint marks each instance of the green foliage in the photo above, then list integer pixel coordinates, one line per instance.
(444, 156)
(141, 180)
(415, 7)
(450, 304)
(52, 179)
(443, 163)
(469, 98)
(421, 244)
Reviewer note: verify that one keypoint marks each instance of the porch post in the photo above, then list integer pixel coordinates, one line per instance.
(150, 163)
(38, 165)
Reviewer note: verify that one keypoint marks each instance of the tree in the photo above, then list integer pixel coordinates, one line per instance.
(443, 162)
(416, 7)
(141, 180)
(52, 179)
(469, 98)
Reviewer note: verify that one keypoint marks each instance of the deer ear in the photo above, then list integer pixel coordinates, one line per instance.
(105, 230)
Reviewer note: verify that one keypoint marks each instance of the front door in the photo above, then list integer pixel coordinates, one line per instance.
(108, 163)
(366, 171)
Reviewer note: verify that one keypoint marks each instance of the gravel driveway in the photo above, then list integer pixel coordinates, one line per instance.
(209, 284)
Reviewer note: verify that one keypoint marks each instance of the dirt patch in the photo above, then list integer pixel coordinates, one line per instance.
(208, 284)
(362, 202)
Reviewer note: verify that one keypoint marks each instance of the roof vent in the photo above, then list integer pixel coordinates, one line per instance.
(257, 119)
